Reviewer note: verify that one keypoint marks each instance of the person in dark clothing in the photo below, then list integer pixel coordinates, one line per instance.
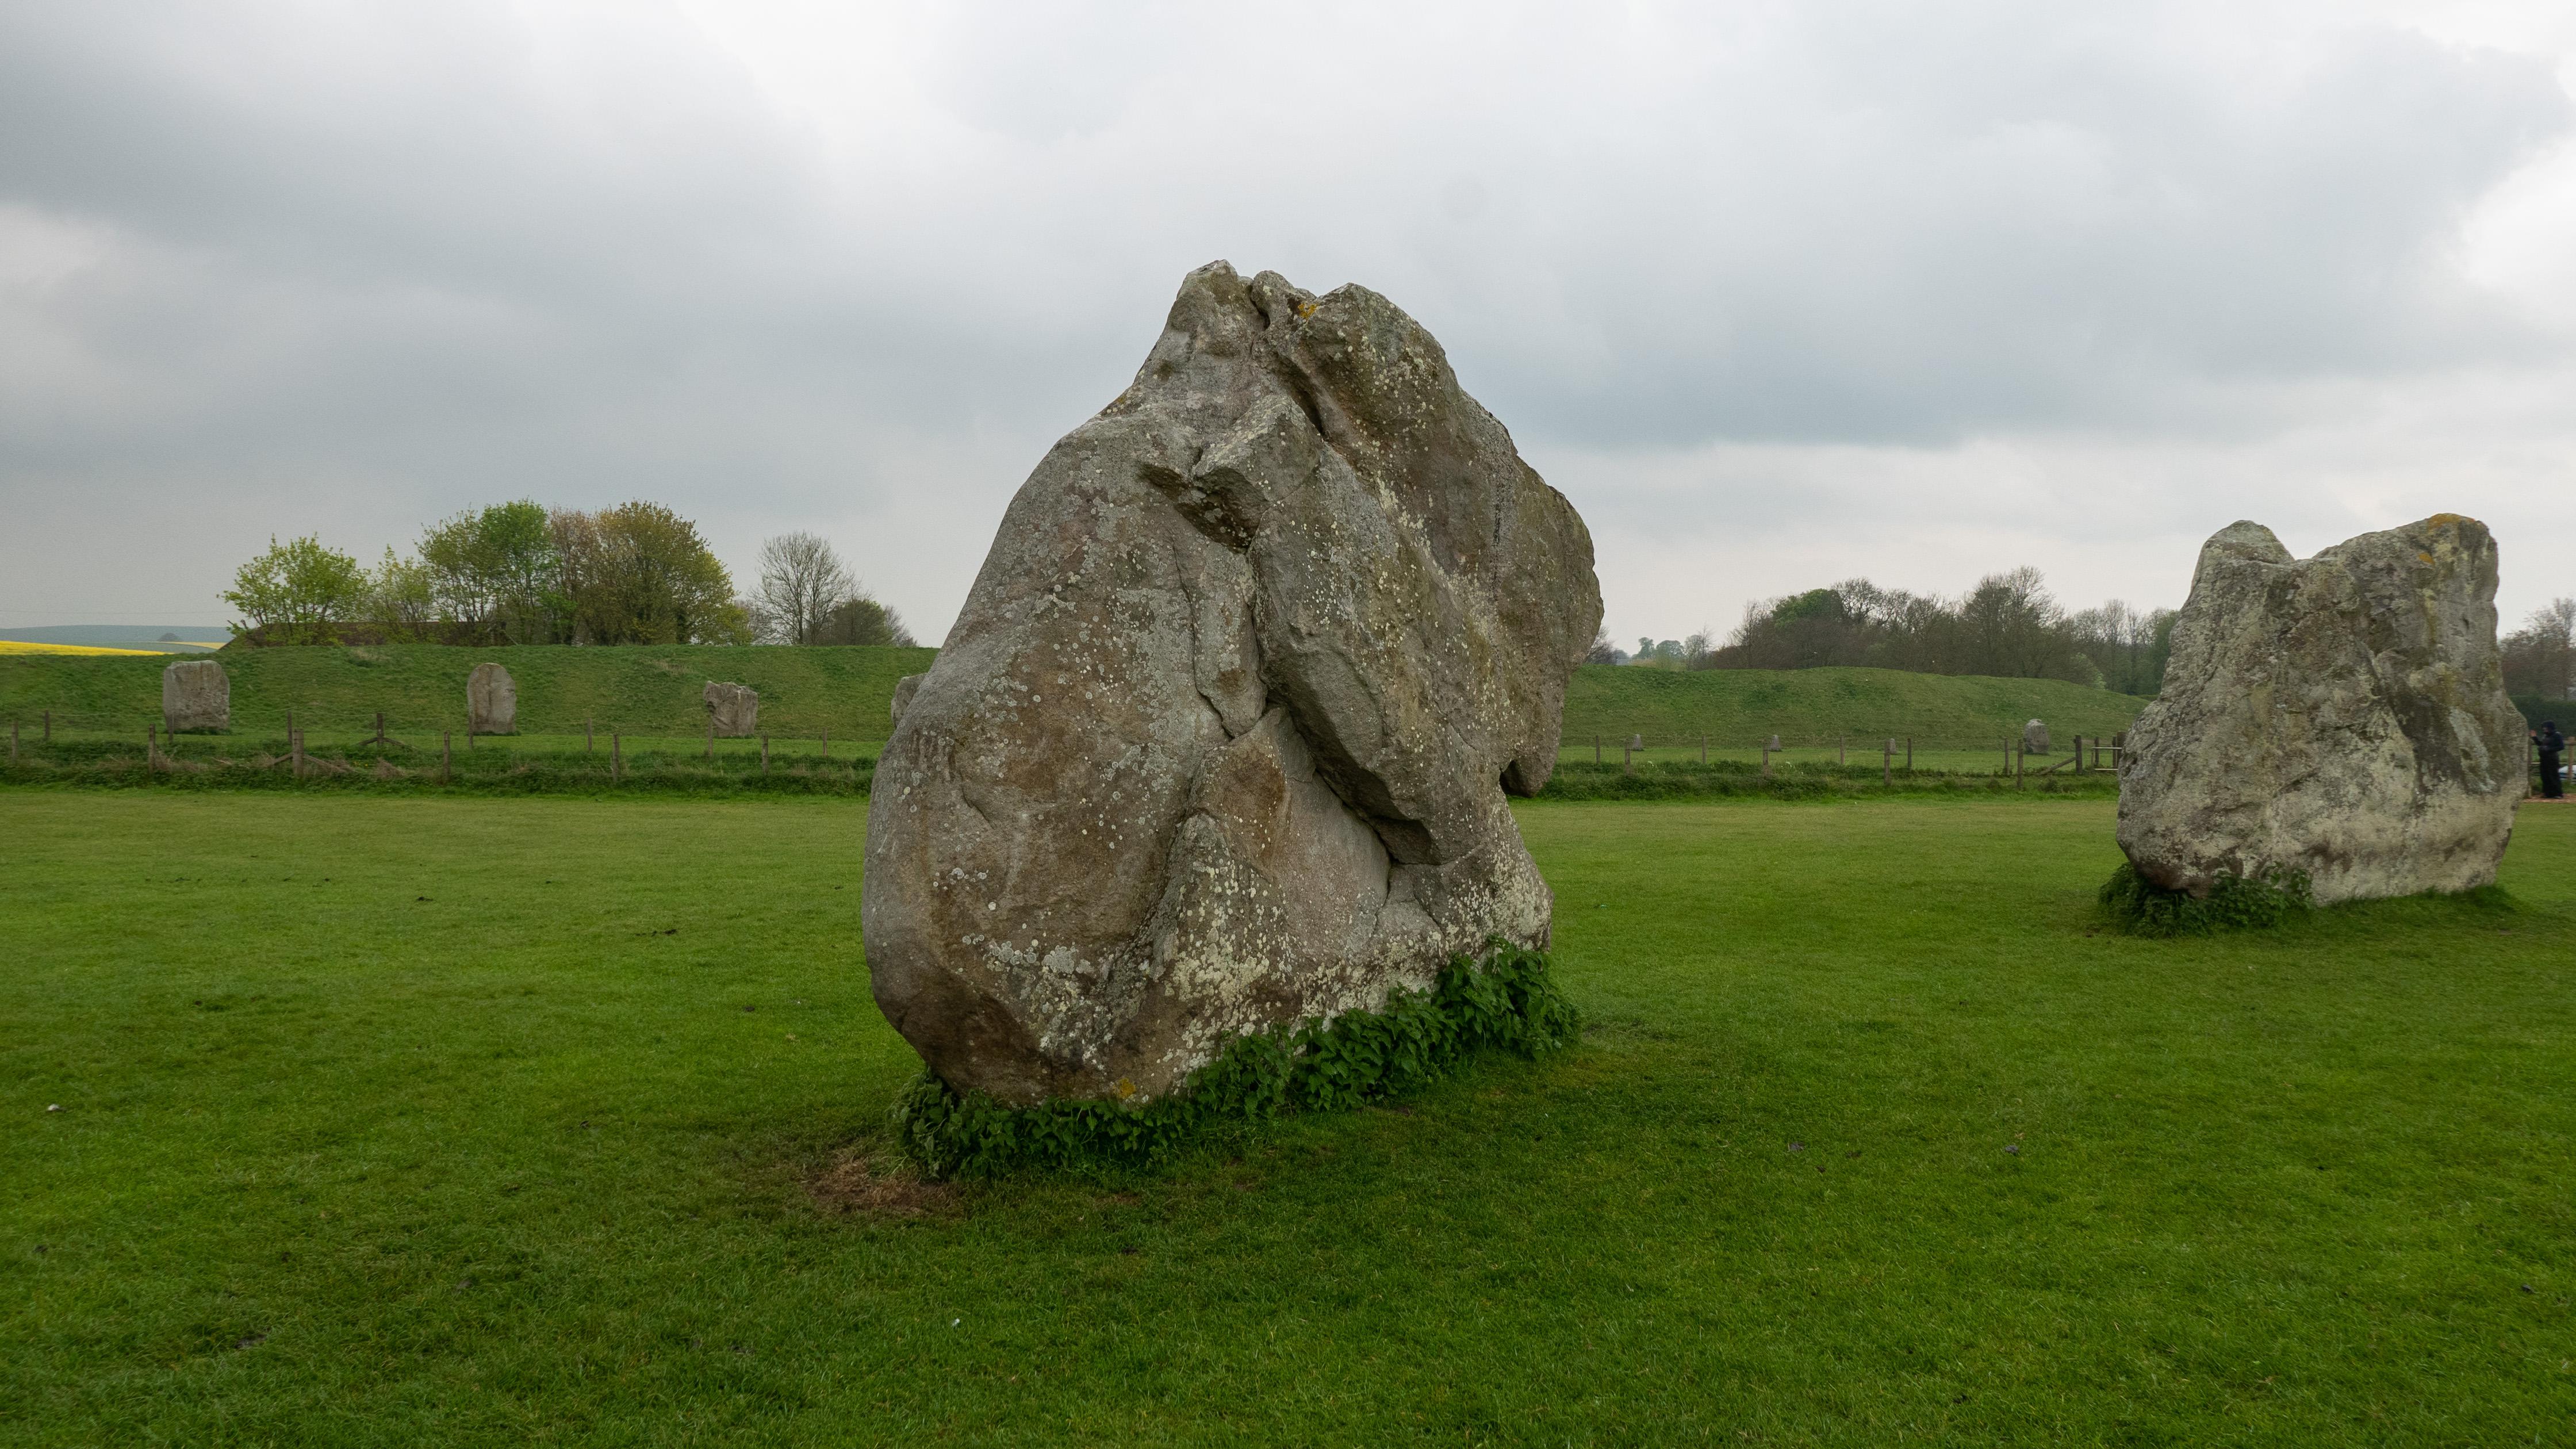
(2551, 744)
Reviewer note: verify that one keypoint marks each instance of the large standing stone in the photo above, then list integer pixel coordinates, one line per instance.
(196, 695)
(1221, 739)
(491, 701)
(2034, 738)
(2342, 716)
(735, 709)
(903, 690)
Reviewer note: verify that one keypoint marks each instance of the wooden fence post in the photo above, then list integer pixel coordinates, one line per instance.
(2019, 756)
(1766, 759)
(49, 726)
(711, 734)
(615, 762)
(295, 751)
(152, 748)
(1703, 749)
(589, 738)
(827, 742)
(1887, 765)
(1842, 745)
(1627, 757)
(764, 754)
(1909, 754)
(1596, 749)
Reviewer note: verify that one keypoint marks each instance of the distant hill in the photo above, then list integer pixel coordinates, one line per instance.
(1737, 708)
(184, 638)
(642, 689)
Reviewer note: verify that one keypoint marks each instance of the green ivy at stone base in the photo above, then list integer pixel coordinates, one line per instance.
(1509, 1000)
(2144, 908)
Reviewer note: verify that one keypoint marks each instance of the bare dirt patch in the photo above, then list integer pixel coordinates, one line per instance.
(868, 1187)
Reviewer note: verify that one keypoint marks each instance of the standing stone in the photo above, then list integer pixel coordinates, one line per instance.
(2034, 738)
(903, 689)
(196, 695)
(491, 701)
(735, 708)
(2343, 716)
(1221, 739)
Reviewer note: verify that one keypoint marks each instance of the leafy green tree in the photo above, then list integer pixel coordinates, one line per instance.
(297, 591)
(862, 620)
(402, 598)
(640, 574)
(498, 569)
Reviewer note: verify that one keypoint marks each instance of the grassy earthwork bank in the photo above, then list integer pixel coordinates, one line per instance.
(1814, 709)
(1703, 732)
(336, 693)
(410, 1120)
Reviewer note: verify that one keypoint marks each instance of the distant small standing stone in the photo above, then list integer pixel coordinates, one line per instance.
(195, 695)
(1775, 742)
(735, 708)
(2034, 738)
(903, 689)
(491, 701)
(1636, 742)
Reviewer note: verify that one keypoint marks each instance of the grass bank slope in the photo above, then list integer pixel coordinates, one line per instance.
(477, 1122)
(1812, 707)
(653, 690)
(642, 689)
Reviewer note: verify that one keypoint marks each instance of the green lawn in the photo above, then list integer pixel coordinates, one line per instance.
(402, 1120)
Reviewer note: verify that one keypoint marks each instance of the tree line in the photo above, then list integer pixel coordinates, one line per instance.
(2540, 657)
(522, 573)
(2008, 625)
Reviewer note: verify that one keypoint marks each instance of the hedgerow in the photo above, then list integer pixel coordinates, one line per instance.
(1508, 1000)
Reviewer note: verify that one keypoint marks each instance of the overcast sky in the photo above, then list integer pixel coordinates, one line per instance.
(1776, 293)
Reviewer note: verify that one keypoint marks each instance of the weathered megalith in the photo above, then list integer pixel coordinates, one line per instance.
(2342, 716)
(1221, 739)
(196, 695)
(491, 701)
(734, 709)
(2034, 738)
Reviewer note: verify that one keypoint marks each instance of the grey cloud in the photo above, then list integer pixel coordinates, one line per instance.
(474, 250)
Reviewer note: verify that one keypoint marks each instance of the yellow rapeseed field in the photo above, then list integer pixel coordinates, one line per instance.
(12, 646)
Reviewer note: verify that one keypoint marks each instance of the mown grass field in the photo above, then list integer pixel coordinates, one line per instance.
(654, 691)
(400, 1121)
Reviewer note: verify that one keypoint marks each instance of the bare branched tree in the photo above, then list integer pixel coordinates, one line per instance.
(2540, 657)
(801, 581)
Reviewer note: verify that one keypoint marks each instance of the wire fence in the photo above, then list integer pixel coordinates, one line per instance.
(79, 747)
(2010, 755)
